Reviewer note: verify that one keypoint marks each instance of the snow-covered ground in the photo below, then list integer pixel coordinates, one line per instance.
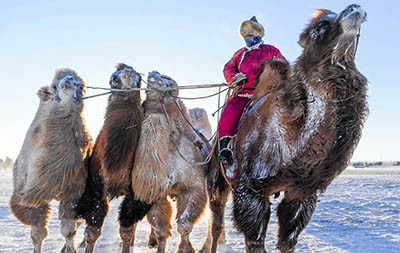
(360, 212)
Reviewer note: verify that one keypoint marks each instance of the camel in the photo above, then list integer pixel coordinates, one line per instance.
(51, 163)
(201, 125)
(165, 164)
(299, 132)
(112, 160)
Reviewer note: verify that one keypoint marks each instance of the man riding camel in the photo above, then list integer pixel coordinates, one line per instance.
(242, 70)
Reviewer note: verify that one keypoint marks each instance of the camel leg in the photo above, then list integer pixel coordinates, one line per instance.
(130, 213)
(94, 217)
(159, 218)
(152, 239)
(92, 234)
(93, 207)
(251, 212)
(67, 215)
(190, 206)
(128, 237)
(37, 218)
(293, 217)
(218, 192)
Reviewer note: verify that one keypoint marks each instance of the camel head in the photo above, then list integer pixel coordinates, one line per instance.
(160, 82)
(331, 35)
(199, 117)
(125, 78)
(68, 86)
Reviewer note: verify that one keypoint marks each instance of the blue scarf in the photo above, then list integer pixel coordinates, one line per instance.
(250, 43)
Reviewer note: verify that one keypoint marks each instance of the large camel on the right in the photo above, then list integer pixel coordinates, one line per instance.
(298, 133)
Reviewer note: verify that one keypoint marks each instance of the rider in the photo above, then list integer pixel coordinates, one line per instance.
(243, 70)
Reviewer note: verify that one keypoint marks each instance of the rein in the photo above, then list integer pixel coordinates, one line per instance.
(357, 40)
(208, 158)
(162, 90)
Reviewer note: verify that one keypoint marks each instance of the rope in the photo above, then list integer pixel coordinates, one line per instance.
(357, 40)
(190, 124)
(97, 95)
(110, 90)
(203, 97)
(184, 87)
(177, 147)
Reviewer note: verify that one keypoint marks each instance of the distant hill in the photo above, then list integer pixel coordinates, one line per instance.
(375, 164)
(7, 163)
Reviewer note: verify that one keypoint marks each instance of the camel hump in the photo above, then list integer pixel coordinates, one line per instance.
(279, 66)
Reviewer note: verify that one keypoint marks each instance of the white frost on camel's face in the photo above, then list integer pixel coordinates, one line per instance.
(125, 78)
(69, 88)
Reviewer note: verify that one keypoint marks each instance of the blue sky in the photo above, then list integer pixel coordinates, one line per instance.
(187, 40)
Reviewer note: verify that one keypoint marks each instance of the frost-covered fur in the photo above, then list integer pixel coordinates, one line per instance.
(149, 183)
(304, 133)
(166, 158)
(51, 162)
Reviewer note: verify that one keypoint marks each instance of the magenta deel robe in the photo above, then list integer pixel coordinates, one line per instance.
(251, 66)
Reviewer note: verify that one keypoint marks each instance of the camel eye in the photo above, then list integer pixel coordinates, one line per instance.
(319, 31)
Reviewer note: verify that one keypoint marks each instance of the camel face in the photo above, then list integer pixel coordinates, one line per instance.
(157, 81)
(125, 78)
(70, 88)
(351, 18)
(333, 33)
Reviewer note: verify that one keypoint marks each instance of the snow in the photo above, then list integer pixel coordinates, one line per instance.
(360, 212)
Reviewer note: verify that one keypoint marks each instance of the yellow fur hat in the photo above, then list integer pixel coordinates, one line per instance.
(251, 27)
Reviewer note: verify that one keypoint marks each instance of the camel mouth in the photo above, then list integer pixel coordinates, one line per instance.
(78, 94)
(351, 18)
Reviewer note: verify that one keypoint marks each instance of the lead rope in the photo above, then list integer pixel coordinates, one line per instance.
(357, 40)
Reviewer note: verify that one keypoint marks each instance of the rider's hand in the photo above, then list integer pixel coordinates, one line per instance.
(237, 79)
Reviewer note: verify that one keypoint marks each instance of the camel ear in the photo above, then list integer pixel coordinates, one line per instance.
(318, 13)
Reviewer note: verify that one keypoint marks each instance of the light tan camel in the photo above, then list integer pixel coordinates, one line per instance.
(165, 164)
(51, 162)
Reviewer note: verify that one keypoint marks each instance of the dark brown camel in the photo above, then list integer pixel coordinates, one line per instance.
(112, 160)
(299, 133)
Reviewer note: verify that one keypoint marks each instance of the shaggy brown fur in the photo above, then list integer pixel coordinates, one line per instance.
(304, 132)
(148, 182)
(121, 128)
(163, 129)
(65, 133)
(301, 133)
(166, 150)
